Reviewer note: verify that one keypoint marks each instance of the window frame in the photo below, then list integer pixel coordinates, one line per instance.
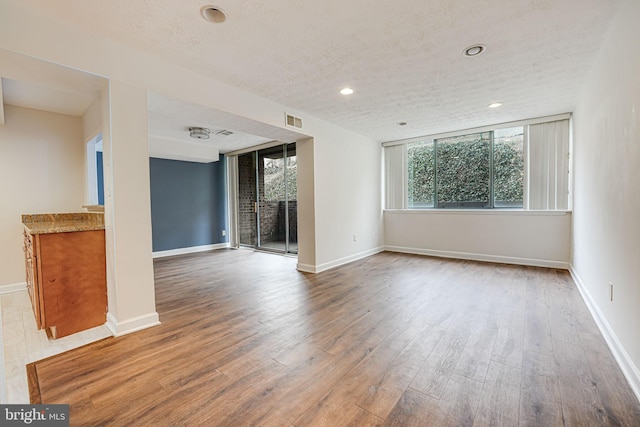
(396, 176)
(490, 203)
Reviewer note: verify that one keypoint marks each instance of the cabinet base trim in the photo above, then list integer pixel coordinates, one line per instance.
(14, 287)
(131, 325)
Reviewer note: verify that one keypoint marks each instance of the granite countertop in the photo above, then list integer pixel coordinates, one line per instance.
(63, 222)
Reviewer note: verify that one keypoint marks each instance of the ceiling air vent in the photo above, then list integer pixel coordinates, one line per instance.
(293, 121)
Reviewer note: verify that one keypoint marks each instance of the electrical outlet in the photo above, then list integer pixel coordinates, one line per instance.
(354, 238)
(610, 291)
(224, 233)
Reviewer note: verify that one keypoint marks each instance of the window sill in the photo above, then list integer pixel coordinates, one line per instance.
(494, 211)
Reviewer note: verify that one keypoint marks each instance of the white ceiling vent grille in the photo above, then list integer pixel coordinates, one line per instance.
(293, 121)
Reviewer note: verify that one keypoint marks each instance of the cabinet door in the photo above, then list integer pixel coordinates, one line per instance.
(72, 277)
(32, 277)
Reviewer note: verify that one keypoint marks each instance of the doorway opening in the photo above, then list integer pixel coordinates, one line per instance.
(95, 179)
(267, 199)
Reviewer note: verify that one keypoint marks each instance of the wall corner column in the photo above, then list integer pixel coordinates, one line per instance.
(130, 280)
(306, 206)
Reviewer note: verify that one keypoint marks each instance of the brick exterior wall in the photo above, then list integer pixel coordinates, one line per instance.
(272, 213)
(247, 197)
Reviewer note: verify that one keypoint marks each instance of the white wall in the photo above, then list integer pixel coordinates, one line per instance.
(91, 127)
(342, 167)
(130, 280)
(41, 171)
(306, 205)
(514, 237)
(347, 196)
(606, 225)
(92, 120)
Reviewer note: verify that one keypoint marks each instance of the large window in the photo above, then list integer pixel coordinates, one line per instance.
(421, 167)
(523, 165)
(480, 170)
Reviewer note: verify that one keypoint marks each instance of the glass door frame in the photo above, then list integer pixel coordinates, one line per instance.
(258, 242)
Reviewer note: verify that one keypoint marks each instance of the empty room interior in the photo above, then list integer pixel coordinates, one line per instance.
(321, 213)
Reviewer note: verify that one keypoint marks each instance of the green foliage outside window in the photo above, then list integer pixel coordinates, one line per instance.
(463, 170)
(508, 170)
(421, 168)
(457, 170)
(274, 183)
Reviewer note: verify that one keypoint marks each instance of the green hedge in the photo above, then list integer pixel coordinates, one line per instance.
(464, 170)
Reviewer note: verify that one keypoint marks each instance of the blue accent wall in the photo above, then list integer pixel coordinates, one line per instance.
(100, 177)
(188, 203)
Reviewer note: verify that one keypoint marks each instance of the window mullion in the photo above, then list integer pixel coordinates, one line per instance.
(527, 167)
(435, 174)
(491, 166)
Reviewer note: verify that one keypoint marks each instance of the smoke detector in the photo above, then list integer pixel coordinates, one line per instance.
(199, 133)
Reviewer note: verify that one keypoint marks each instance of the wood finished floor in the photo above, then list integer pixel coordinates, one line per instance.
(393, 339)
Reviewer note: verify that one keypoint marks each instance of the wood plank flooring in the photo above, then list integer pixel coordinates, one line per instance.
(393, 339)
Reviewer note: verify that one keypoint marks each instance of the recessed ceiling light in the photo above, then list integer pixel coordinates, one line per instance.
(474, 50)
(495, 105)
(346, 91)
(213, 14)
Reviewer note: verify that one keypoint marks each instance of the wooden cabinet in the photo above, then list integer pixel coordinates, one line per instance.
(66, 280)
(31, 276)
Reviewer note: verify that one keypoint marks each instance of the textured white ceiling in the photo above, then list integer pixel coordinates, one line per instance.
(170, 118)
(176, 129)
(403, 57)
(31, 83)
(45, 97)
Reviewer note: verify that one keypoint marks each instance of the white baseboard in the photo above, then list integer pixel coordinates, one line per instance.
(131, 325)
(629, 369)
(481, 257)
(306, 268)
(338, 262)
(14, 287)
(189, 250)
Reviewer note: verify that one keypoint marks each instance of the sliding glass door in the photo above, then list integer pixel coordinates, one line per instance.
(247, 200)
(267, 199)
